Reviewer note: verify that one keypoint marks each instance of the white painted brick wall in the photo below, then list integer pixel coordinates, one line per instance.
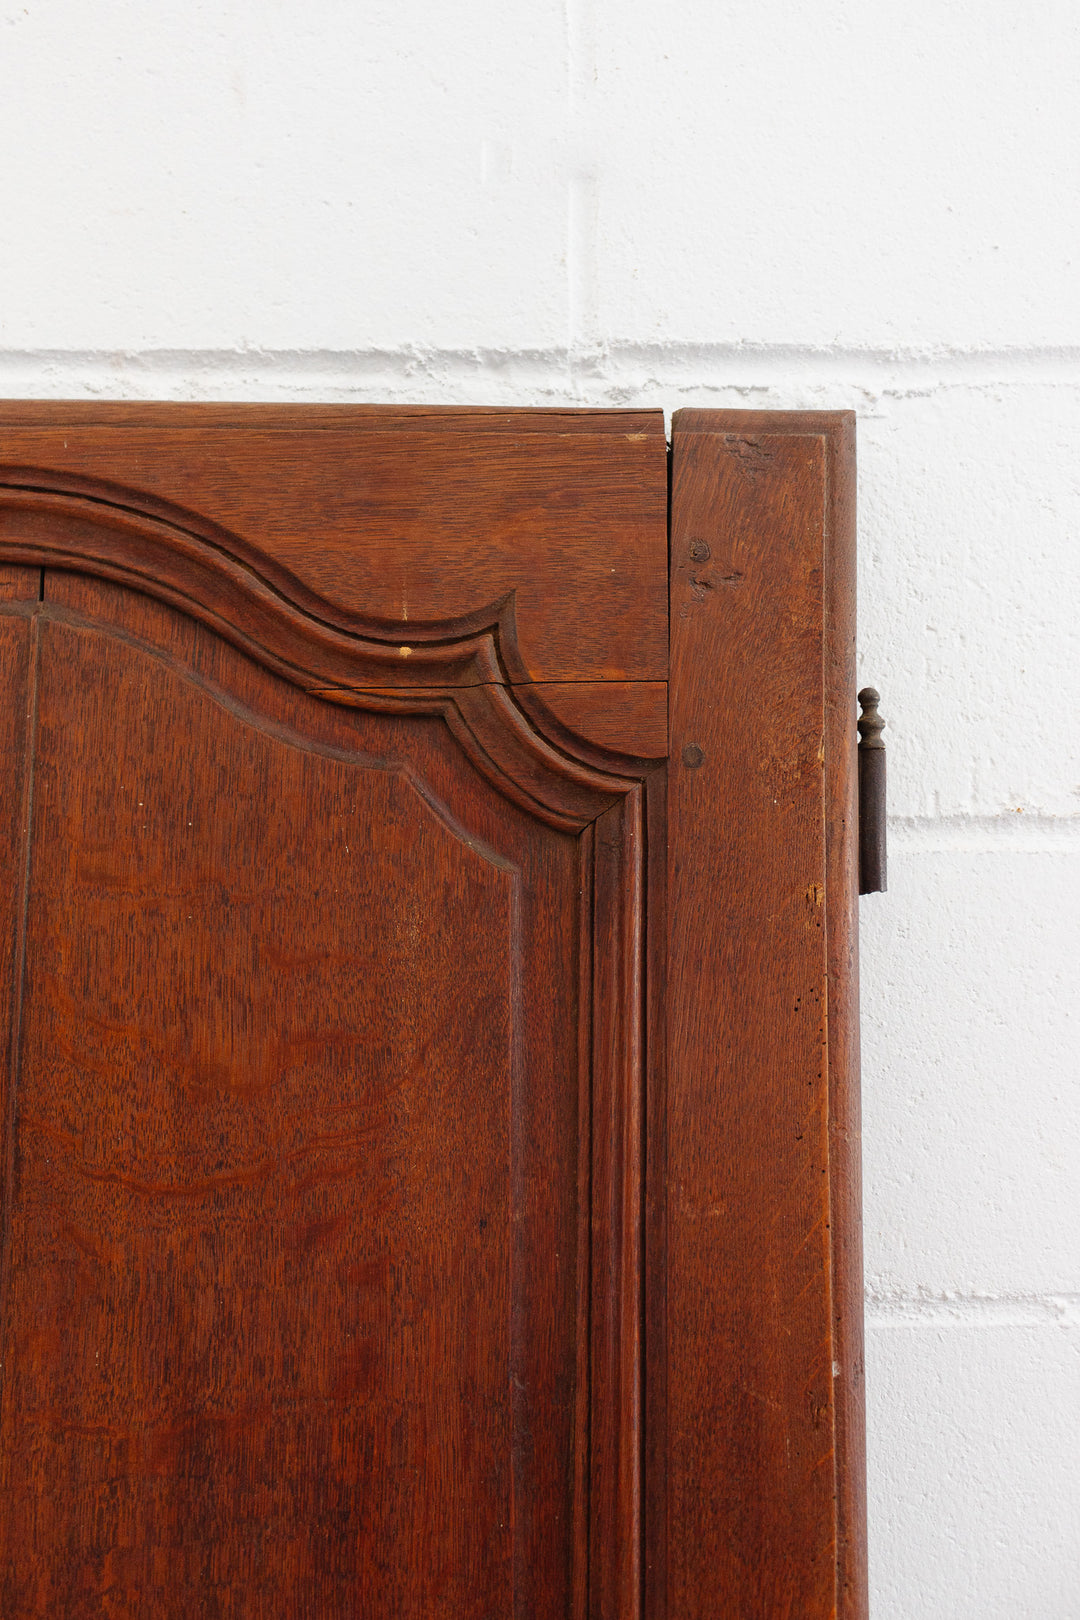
(791, 204)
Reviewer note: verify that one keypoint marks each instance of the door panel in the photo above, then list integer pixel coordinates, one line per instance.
(297, 1259)
(430, 1129)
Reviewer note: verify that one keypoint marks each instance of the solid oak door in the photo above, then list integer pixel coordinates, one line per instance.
(430, 1155)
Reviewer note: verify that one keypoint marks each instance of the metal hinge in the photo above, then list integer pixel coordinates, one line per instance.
(871, 795)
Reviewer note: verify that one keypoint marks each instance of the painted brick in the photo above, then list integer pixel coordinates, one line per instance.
(974, 1433)
(970, 580)
(279, 176)
(824, 173)
(971, 1069)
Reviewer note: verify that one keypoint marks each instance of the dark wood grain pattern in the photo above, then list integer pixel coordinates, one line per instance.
(306, 1258)
(19, 593)
(624, 717)
(430, 1114)
(760, 1489)
(403, 517)
(18, 583)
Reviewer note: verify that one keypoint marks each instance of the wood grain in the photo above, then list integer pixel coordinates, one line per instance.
(298, 1246)
(230, 414)
(623, 717)
(403, 517)
(456, 668)
(18, 584)
(431, 1115)
(750, 1260)
(842, 922)
(18, 656)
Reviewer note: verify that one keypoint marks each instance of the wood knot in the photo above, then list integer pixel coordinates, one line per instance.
(871, 725)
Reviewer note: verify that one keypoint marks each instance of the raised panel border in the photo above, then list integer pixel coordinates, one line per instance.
(464, 668)
(405, 512)
(461, 670)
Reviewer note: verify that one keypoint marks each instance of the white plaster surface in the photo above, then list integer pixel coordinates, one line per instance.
(805, 203)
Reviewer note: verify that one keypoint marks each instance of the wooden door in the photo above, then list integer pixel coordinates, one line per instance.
(430, 1139)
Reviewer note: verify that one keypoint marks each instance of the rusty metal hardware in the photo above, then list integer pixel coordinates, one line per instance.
(872, 864)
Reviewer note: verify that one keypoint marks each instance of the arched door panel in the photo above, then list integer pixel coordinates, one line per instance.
(299, 1230)
(429, 1180)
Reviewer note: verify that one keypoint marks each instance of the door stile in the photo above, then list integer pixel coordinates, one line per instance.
(760, 1469)
(842, 925)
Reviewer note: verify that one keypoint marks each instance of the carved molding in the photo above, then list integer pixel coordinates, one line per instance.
(459, 668)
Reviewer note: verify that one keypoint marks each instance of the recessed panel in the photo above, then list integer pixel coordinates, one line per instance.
(296, 1157)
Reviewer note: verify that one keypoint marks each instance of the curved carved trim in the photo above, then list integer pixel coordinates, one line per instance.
(18, 485)
(458, 668)
(151, 546)
(532, 698)
(499, 741)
